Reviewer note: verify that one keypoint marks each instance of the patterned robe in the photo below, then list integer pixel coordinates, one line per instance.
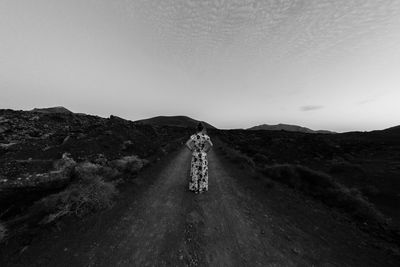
(199, 165)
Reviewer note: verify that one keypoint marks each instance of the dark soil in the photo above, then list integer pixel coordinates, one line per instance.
(243, 220)
(367, 161)
(31, 143)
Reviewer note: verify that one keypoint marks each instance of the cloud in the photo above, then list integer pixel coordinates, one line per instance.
(370, 99)
(310, 107)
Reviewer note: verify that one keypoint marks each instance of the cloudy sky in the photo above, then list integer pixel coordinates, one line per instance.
(323, 64)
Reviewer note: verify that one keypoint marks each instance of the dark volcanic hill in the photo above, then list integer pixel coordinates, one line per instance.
(32, 142)
(52, 110)
(392, 130)
(181, 121)
(286, 127)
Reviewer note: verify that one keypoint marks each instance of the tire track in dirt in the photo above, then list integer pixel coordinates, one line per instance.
(229, 236)
(150, 230)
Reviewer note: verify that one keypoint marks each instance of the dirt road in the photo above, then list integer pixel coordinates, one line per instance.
(237, 223)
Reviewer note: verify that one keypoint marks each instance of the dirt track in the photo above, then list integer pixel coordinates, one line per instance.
(236, 223)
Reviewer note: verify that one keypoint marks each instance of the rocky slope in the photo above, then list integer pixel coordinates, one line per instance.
(286, 127)
(180, 121)
(365, 163)
(33, 142)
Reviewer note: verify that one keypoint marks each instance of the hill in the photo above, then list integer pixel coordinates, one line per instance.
(52, 110)
(35, 144)
(393, 130)
(363, 161)
(286, 127)
(180, 121)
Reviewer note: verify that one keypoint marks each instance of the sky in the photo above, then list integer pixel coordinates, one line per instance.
(322, 64)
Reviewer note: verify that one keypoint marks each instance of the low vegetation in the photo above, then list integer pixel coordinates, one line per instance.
(93, 187)
(243, 161)
(90, 193)
(317, 184)
(84, 188)
(327, 189)
(3, 232)
(345, 167)
(97, 155)
(129, 164)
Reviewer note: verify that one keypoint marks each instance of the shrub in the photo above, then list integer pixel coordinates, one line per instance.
(87, 194)
(353, 202)
(3, 232)
(110, 174)
(87, 170)
(129, 164)
(127, 145)
(325, 188)
(65, 163)
(100, 159)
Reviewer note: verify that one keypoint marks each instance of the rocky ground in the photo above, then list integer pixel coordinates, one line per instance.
(367, 163)
(33, 142)
(56, 166)
(242, 220)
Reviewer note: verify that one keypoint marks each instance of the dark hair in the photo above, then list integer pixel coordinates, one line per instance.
(200, 127)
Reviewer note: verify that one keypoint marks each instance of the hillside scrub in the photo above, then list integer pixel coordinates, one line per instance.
(19, 195)
(345, 167)
(237, 157)
(88, 169)
(315, 183)
(3, 232)
(129, 164)
(325, 188)
(32, 140)
(56, 164)
(88, 193)
(92, 187)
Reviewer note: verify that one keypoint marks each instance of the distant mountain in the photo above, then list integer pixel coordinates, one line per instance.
(181, 121)
(286, 127)
(52, 110)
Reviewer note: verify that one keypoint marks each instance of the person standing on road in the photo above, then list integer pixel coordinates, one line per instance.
(199, 144)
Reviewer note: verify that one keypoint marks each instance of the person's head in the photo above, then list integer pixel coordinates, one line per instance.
(200, 127)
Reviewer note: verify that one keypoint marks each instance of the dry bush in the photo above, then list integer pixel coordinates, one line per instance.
(129, 164)
(90, 190)
(3, 232)
(87, 194)
(110, 174)
(88, 169)
(325, 188)
(65, 163)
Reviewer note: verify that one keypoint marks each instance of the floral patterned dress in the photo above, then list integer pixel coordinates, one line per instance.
(199, 165)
